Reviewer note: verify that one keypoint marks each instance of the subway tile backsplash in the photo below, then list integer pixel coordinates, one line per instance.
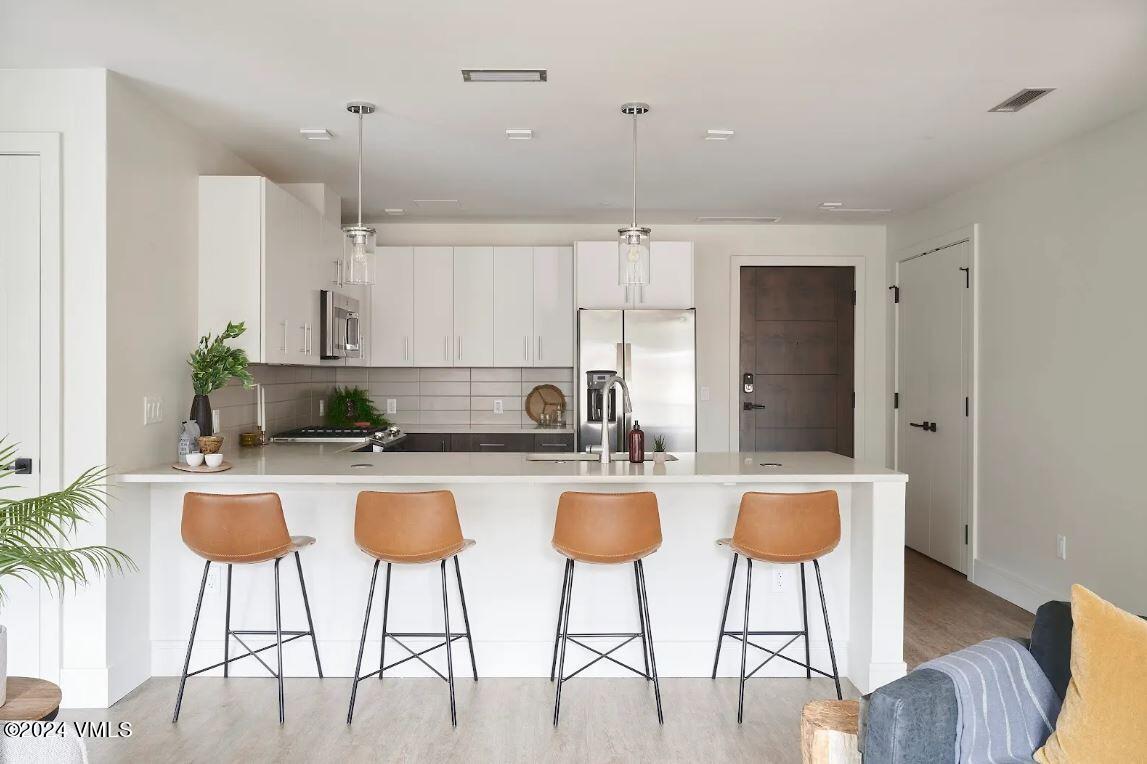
(457, 396)
(292, 395)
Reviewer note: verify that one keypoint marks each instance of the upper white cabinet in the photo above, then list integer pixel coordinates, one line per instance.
(553, 319)
(670, 276)
(473, 306)
(513, 305)
(433, 306)
(392, 308)
(259, 249)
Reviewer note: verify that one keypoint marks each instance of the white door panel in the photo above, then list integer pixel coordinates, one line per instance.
(513, 305)
(433, 306)
(473, 306)
(392, 308)
(553, 342)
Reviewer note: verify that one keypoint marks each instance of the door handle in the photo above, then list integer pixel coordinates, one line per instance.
(539, 347)
(21, 466)
(925, 425)
(752, 406)
(458, 348)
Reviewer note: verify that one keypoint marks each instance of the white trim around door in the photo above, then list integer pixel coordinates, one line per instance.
(859, 377)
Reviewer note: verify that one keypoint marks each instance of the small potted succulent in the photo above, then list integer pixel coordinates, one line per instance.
(660, 455)
(213, 364)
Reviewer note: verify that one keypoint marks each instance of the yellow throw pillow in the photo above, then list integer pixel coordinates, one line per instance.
(1104, 716)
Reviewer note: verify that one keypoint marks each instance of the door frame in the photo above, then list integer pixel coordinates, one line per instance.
(969, 234)
(46, 145)
(856, 262)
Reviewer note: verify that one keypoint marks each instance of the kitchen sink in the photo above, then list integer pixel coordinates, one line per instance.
(581, 456)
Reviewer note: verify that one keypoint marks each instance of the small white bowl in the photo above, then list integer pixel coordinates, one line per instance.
(194, 459)
(213, 460)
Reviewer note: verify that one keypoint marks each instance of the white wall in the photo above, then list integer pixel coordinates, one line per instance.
(713, 247)
(1062, 331)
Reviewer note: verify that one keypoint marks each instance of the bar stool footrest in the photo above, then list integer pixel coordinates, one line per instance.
(776, 653)
(628, 637)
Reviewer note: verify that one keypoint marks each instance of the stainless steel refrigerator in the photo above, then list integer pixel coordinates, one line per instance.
(656, 352)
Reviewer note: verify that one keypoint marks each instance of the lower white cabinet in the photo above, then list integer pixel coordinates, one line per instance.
(670, 276)
(392, 308)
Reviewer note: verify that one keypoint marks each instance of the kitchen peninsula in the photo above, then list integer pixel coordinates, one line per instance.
(507, 503)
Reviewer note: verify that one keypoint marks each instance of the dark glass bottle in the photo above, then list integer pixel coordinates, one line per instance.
(636, 444)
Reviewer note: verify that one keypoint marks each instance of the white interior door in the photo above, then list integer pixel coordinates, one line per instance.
(20, 378)
(934, 418)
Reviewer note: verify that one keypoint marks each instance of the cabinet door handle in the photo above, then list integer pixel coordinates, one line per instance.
(445, 347)
(458, 347)
(284, 346)
(303, 328)
(539, 357)
(491, 445)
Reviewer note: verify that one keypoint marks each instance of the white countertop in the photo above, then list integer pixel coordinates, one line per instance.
(492, 428)
(330, 464)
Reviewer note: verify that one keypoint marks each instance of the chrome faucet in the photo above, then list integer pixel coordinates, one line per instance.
(607, 415)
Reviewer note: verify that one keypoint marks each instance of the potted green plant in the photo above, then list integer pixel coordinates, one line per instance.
(213, 364)
(352, 407)
(33, 531)
(659, 453)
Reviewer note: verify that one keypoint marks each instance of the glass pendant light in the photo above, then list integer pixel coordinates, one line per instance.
(633, 242)
(358, 240)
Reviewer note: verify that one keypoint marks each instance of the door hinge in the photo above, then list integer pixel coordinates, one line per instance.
(853, 296)
(967, 277)
(965, 535)
(895, 293)
(854, 399)
(896, 400)
(967, 407)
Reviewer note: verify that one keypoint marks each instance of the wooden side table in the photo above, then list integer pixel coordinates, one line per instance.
(30, 699)
(828, 732)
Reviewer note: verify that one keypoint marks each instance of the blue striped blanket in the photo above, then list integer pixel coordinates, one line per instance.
(1006, 707)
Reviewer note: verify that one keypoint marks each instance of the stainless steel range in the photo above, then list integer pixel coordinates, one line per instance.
(370, 438)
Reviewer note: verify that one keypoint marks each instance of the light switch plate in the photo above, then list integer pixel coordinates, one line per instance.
(704, 392)
(152, 409)
(498, 408)
(1061, 547)
(392, 405)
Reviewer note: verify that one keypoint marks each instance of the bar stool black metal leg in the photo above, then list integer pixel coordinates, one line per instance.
(745, 639)
(804, 615)
(385, 614)
(449, 642)
(564, 627)
(827, 629)
(641, 621)
(362, 641)
(279, 642)
(561, 611)
(465, 617)
(307, 607)
(724, 614)
(190, 643)
(649, 631)
(227, 627)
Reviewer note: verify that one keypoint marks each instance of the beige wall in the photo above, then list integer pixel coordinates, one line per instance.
(1061, 369)
(713, 246)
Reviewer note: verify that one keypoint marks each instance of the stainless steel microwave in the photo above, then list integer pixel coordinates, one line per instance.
(339, 334)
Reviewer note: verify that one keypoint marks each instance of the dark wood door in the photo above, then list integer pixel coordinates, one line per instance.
(797, 342)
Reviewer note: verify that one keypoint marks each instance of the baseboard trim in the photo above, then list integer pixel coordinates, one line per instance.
(1011, 587)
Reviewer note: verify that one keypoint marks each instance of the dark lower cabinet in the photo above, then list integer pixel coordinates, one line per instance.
(490, 442)
(558, 442)
(424, 442)
(493, 442)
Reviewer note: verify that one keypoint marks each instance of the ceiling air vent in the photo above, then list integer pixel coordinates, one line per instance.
(1022, 99)
(738, 219)
(504, 75)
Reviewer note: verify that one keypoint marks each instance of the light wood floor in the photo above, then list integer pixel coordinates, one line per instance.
(508, 720)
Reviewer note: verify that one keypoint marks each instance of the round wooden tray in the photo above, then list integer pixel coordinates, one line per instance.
(545, 398)
(201, 468)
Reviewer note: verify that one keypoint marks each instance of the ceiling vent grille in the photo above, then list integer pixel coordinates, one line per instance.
(504, 75)
(1022, 99)
(738, 219)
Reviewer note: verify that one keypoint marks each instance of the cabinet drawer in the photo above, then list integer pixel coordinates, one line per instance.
(555, 442)
(494, 442)
(424, 442)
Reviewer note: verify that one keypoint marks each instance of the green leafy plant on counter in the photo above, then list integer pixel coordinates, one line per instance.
(214, 364)
(349, 406)
(659, 443)
(33, 529)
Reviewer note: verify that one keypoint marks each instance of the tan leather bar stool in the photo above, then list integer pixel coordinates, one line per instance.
(606, 529)
(411, 529)
(243, 529)
(786, 528)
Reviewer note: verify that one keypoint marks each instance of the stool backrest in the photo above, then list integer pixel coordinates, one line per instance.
(234, 527)
(607, 524)
(406, 525)
(781, 526)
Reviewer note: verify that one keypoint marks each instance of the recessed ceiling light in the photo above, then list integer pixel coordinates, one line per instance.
(1021, 99)
(394, 211)
(718, 135)
(504, 75)
(519, 134)
(831, 205)
(316, 133)
(738, 219)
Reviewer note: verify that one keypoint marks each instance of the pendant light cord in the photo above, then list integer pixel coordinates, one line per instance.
(634, 171)
(360, 169)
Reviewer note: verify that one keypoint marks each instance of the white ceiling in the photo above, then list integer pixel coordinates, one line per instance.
(877, 104)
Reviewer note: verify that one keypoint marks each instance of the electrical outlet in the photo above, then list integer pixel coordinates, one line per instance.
(498, 408)
(391, 406)
(322, 407)
(1061, 547)
(152, 409)
(780, 579)
(216, 421)
(705, 395)
(214, 579)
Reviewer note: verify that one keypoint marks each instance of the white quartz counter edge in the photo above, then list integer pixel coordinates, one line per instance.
(314, 465)
(509, 429)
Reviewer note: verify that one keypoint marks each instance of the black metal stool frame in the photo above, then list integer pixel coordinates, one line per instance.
(448, 636)
(562, 637)
(743, 635)
(238, 635)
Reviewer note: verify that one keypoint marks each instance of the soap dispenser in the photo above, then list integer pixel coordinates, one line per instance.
(636, 444)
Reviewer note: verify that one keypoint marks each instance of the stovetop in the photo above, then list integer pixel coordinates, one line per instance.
(339, 435)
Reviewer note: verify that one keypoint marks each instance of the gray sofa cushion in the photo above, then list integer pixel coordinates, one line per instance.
(1051, 643)
(917, 720)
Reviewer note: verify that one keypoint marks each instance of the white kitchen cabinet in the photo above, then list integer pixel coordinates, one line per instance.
(473, 306)
(553, 308)
(670, 276)
(513, 306)
(392, 308)
(433, 306)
